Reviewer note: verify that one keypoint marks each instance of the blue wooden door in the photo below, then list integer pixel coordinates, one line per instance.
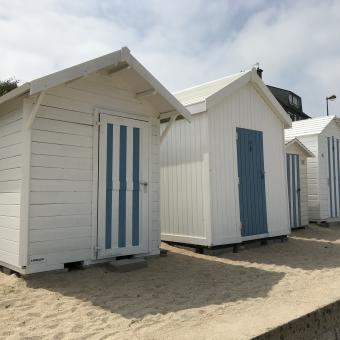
(122, 189)
(293, 179)
(333, 176)
(252, 191)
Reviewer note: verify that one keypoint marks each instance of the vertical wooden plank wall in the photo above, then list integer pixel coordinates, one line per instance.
(185, 194)
(62, 165)
(11, 145)
(245, 109)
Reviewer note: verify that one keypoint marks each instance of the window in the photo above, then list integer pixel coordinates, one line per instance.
(290, 98)
(294, 100)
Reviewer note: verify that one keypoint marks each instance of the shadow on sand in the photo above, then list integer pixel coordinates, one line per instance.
(169, 284)
(316, 232)
(302, 251)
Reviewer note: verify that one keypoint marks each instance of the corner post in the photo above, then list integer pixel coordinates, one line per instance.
(30, 109)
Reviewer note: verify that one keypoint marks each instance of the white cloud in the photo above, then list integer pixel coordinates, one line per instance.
(181, 42)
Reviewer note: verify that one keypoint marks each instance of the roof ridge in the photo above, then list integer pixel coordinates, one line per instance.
(314, 118)
(209, 82)
(309, 126)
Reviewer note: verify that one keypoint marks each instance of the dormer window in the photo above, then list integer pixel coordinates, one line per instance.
(294, 100)
(290, 102)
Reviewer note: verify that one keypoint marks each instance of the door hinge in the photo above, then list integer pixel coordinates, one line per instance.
(238, 180)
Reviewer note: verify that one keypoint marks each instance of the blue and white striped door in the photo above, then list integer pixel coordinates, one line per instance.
(123, 191)
(293, 180)
(333, 152)
(251, 174)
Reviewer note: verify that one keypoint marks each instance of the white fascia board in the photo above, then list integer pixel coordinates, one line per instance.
(304, 149)
(228, 89)
(155, 84)
(74, 72)
(337, 120)
(82, 70)
(15, 93)
(123, 55)
(270, 99)
(197, 107)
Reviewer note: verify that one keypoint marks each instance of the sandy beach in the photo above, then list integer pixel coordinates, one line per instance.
(183, 296)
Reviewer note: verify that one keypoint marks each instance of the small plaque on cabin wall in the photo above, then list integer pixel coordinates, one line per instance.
(37, 259)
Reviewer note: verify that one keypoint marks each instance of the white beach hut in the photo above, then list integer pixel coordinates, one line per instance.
(297, 155)
(79, 165)
(223, 177)
(321, 136)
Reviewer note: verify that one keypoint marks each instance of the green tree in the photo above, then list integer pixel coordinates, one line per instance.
(8, 85)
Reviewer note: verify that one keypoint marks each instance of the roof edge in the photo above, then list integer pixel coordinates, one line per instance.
(70, 73)
(321, 127)
(15, 93)
(252, 77)
(162, 90)
(207, 83)
(301, 145)
(228, 89)
(272, 101)
(80, 70)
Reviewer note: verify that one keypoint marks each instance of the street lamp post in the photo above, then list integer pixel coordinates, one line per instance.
(332, 97)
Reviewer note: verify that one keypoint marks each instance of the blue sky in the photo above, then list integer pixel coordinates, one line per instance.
(182, 42)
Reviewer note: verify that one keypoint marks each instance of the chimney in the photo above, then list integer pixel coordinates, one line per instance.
(259, 72)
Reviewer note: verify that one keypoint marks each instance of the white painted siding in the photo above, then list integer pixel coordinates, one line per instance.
(293, 149)
(331, 130)
(11, 145)
(185, 182)
(155, 215)
(323, 177)
(311, 142)
(245, 109)
(61, 190)
(62, 168)
(205, 152)
(317, 168)
(304, 191)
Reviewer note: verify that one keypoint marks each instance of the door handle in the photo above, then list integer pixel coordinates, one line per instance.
(144, 183)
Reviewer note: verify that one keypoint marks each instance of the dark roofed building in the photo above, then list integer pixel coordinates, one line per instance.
(290, 101)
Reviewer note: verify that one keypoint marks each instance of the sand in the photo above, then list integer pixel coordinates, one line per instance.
(181, 296)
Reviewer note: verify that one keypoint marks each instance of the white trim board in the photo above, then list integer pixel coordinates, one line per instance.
(301, 146)
(201, 103)
(117, 60)
(96, 240)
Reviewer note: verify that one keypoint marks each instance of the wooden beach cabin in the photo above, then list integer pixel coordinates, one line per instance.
(80, 165)
(297, 155)
(321, 135)
(223, 177)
